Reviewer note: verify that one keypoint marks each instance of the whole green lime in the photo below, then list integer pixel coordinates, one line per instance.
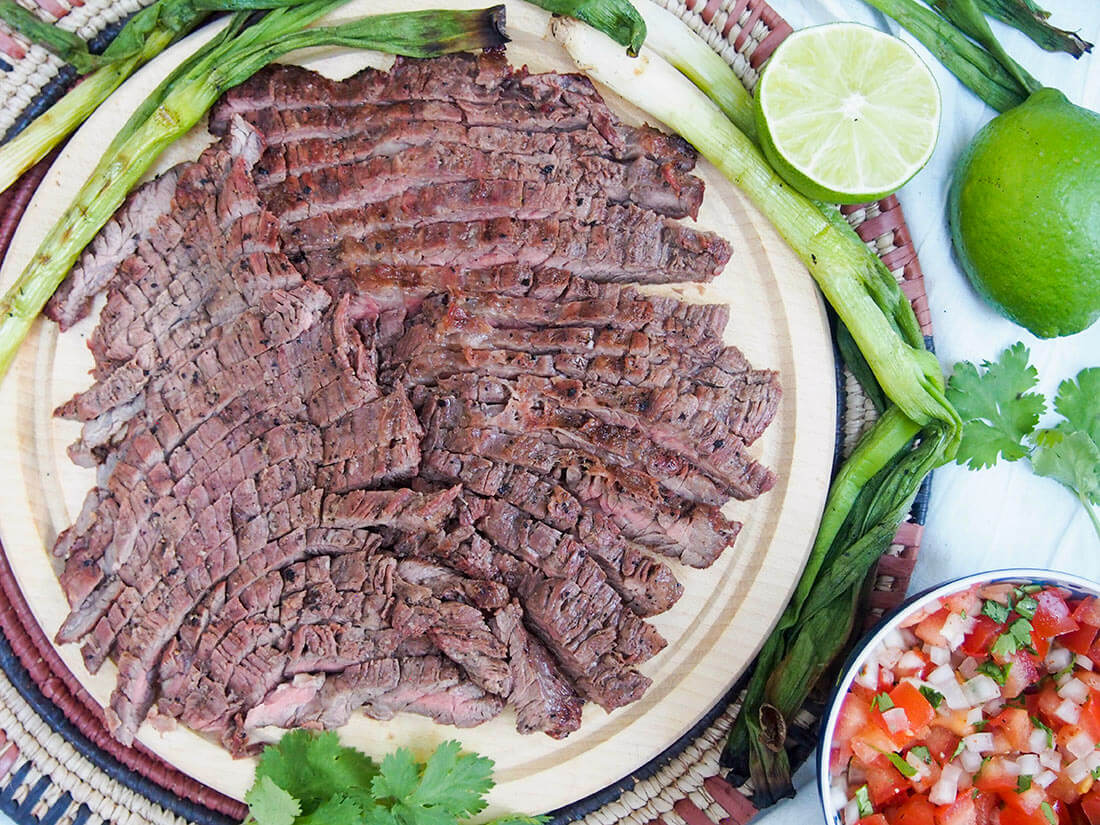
(1024, 210)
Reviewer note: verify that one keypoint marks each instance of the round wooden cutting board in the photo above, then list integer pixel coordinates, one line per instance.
(778, 320)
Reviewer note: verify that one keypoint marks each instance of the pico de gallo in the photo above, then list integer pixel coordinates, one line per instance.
(983, 708)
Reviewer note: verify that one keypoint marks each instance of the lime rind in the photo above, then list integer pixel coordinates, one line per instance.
(847, 113)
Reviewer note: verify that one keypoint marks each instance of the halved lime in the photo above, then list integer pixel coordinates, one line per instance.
(847, 113)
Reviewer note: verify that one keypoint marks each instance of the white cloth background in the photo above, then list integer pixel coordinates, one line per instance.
(1005, 516)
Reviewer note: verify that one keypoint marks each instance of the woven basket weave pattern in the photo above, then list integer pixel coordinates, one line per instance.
(70, 771)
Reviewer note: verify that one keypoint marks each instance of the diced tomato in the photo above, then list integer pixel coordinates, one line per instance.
(954, 721)
(981, 638)
(1017, 727)
(1027, 801)
(1041, 643)
(884, 782)
(1090, 678)
(1016, 816)
(1064, 790)
(871, 742)
(1094, 652)
(1089, 721)
(1090, 806)
(873, 819)
(914, 669)
(967, 602)
(988, 809)
(1087, 611)
(929, 629)
(1048, 702)
(1081, 639)
(994, 777)
(1023, 673)
(961, 812)
(917, 810)
(941, 743)
(917, 709)
(855, 713)
(1052, 616)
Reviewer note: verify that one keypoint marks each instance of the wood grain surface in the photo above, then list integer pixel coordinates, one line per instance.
(778, 320)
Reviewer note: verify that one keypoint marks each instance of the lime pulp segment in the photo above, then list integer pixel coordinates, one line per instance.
(851, 108)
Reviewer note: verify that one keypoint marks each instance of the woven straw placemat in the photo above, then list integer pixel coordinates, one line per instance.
(58, 765)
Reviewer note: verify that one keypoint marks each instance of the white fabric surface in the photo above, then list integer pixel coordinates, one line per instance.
(1005, 516)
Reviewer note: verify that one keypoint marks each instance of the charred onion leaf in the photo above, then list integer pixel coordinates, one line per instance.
(240, 50)
(618, 19)
(1030, 19)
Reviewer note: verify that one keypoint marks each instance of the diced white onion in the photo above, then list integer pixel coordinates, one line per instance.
(1094, 760)
(1045, 779)
(1062, 678)
(1069, 712)
(851, 813)
(981, 689)
(886, 676)
(954, 629)
(993, 706)
(978, 742)
(942, 675)
(918, 764)
(1010, 768)
(1050, 758)
(1077, 770)
(868, 675)
(909, 637)
(971, 761)
(895, 719)
(1075, 690)
(889, 657)
(1058, 658)
(965, 781)
(1083, 662)
(1028, 764)
(974, 716)
(968, 667)
(1080, 744)
(943, 793)
(1038, 741)
(947, 787)
(938, 655)
(910, 660)
(839, 796)
(893, 640)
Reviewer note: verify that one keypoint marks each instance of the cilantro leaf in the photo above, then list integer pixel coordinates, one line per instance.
(995, 610)
(397, 776)
(998, 673)
(904, 768)
(1048, 812)
(922, 753)
(1023, 783)
(338, 810)
(314, 767)
(1026, 607)
(519, 819)
(882, 701)
(1079, 402)
(863, 801)
(1050, 734)
(933, 696)
(268, 804)
(1070, 457)
(455, 781)
(997, 410)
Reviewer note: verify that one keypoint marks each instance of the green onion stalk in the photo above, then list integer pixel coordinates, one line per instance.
(918, 430)
(144, 36)
(233, 56)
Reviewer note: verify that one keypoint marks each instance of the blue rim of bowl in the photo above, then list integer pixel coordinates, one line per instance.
(1071, 581)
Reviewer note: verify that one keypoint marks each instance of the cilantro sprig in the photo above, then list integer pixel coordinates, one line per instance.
(311, 779)
(1000, 415)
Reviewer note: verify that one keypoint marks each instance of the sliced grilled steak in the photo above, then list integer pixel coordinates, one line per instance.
(378, 421)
